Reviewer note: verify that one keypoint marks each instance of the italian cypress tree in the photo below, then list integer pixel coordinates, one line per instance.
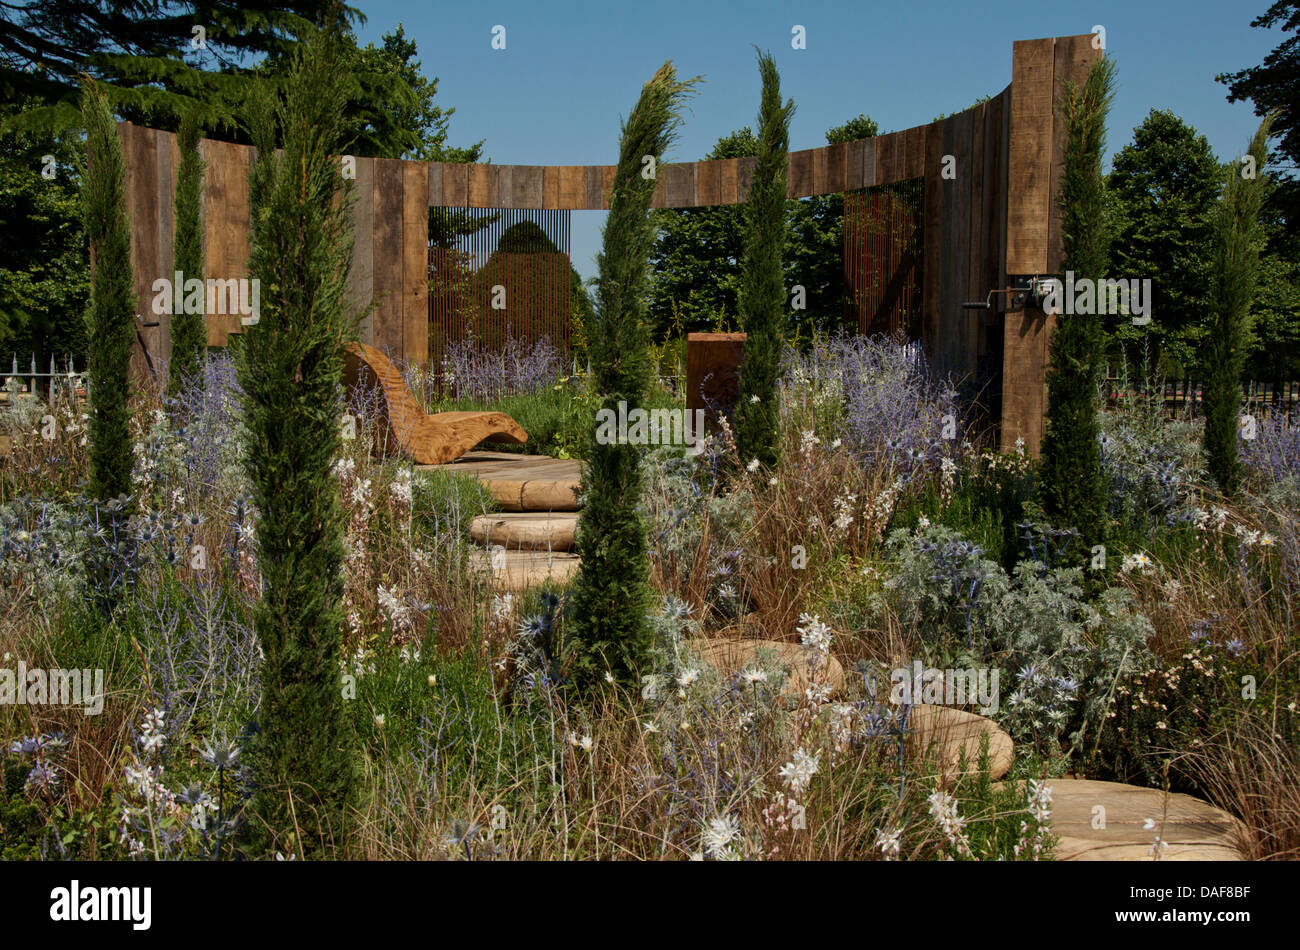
(1238, 239)
(609, 629)
(189, 331)
(290, 368)
(111, 315)
(762, 287)
(1074, 493)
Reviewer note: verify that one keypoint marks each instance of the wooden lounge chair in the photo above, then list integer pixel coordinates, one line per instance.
(427, 439)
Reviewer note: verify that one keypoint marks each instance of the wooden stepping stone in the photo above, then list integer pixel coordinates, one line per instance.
(526, 530)
(732, 656)
(519, 570)
(524, 482)
(949, 732)
(1192, 829)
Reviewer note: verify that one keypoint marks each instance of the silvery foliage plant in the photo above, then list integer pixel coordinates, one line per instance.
(1059, 654)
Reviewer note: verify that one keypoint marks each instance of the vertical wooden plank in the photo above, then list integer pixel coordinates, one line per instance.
(505, 186)
(226, 225)
(820, 163)
(854, 174)
(361, 278)
(745, 176)
(168, 160)
(551, 186)
(729, 181)
(914, 152)
(415, 264)
(957, 322)
(869, 178)
(572, 186)
(837, 168)
(975, 289)
(889, 158)
(435, 183)
(388, 269)
(1030, 156)
(607, 175)
(455, 186)
(1073, 57)
(528, 186)
(799, 174)
(932, 248)
(592, 199)
(139, 153)
(478, 186)
(678, 185)
(708, 183)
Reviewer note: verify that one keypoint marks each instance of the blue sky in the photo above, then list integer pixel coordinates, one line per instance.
(571, 70)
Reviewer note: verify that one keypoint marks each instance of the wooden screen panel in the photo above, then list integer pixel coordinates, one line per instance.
(881, 266)
(388, 257)
(956, 322)
(1030, 156)
(932, 253)
(415, 265)
(139, 152)
(227, 224)
(169, 158)
(361, 276)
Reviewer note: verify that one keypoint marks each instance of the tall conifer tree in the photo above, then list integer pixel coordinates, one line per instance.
(111, 317)
(1074, 494)
(762, 287)
(290, 368)
(1238, 240)
(189, 330)
(609, 626)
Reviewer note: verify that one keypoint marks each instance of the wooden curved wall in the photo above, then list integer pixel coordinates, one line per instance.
(997, 217)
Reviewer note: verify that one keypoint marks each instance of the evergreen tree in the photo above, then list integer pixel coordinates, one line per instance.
(762, 287)
(46, 274)
(189, 330)
(1165, 186)
(146, 54)
(1274, 88)
(1238, 240)
(290, 368)
(611, 597)
(111, 315)
(1072, 486)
